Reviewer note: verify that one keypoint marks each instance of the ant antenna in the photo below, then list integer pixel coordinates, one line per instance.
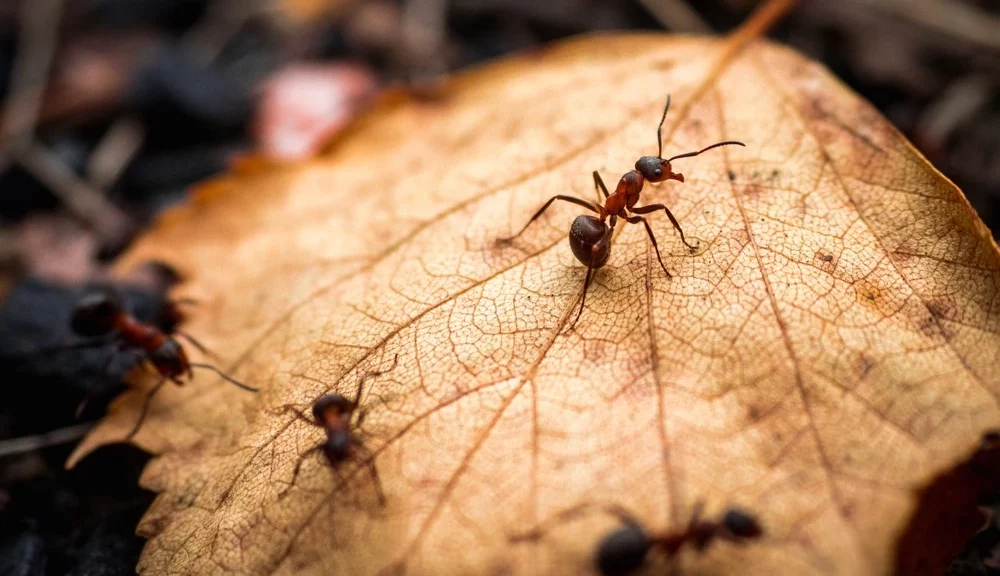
(373, 374)
(659, 129)
(194, 342)
(225, 377)
(706, 149)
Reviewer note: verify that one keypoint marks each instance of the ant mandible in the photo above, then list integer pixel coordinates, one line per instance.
(624, 550)
(333, 412)
(590, 237)
(100, 315)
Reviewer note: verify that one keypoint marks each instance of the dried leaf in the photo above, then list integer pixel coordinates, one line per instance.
(829, 352)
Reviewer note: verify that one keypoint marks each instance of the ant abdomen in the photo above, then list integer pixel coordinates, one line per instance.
(590, 241)
(95, 315)
(623, 551)
(337, 447)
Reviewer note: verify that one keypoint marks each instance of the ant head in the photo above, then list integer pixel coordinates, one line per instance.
(741, 525)
(623, 551)
(329, 402)
(590, 241)
(653, 168)
(169, 359)
(95, 314)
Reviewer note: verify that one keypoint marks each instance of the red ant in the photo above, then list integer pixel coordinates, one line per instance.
(100, 316)
(333, 412)
(590, 237)
(624, 550)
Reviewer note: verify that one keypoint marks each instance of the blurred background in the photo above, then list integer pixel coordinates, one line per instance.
(111, 109)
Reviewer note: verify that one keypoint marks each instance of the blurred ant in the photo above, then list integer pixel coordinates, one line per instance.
(624, 551)
(590, 237)
(333, 412)
(100, 316)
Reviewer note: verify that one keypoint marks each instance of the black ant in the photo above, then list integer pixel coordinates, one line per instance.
(100, 316)
(590, 237)
(333, 412)
(624, 550)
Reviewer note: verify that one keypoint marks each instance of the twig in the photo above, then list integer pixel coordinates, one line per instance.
(222, 21)
(677, 16)
(204, 42)
(954, 19)
(53, 438)
(423, 37)
(83, 200)
(763, 18)
(36, 47)
(115, 151)
(959, 101)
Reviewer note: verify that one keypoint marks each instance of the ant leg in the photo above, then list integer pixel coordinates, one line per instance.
(659, 130)
(652, 238)
(599, 183)
(369, 458)
(298, 468)
(586, 286)
(201, 347)
(653, 208)
(572, 513)
(298, 414)
(571, 199)
(145, 407)
(361, 417)
(102, 375)
(224, 376)
(372, 374)
(699, 507)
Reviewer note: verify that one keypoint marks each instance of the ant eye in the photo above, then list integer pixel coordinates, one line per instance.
(658, 172)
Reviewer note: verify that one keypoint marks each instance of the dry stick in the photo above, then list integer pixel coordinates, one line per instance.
(423, 38)
(763, 19)
(204, 42)
(954, 19)
(84, 201)
(35, 48)
(116, 149)
(53, 438)
(677, 16)
(222, 20)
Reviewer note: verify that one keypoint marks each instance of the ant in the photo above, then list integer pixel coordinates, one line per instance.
(100, 316)
(624, 550)
(333, 412)
(590, 237)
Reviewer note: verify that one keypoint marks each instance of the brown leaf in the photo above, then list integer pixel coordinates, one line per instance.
(830, 350)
